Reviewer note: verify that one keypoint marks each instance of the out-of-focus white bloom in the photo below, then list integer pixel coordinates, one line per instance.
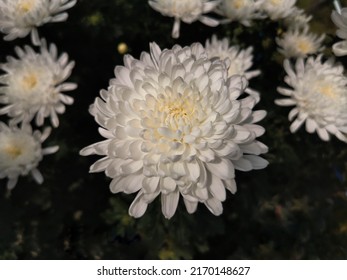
(186, 10)
(340, 20)
(18, 18)
(239, 60)
(278, 9)
(21, 152)
(174, 125)
(33, 85)
(297, 19)
(243, 11)
(318, 92)
(299, 43)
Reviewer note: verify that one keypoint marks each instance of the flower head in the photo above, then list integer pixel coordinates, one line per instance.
(278, 9)
(239, 60)
(243, 11)
(18, 18)
(186, 10)
(297, 19)
(318, 92)
(340, 20)
(174, 125)
(34, 83)
(21, 152)
(299, 43)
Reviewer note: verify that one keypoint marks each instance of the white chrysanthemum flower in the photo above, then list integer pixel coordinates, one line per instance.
(33, 85)
(240, 60)
(243, 11)
(278, 9)
(319, 96)
(299, 43)
(186, 10)
(21, 152)
(174, 126)
(297, 19)
(18, 18)
(340, 20)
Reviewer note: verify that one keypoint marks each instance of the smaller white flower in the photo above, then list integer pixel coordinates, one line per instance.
(18, 18)
(243, 11)
(21, 152)
(299, 43)
(240, 60)
(318, 92)
(297, 19)
(278, 9)
(33, 85)
(186, 10)
(340, 20)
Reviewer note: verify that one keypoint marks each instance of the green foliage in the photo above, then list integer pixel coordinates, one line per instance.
(296, 208)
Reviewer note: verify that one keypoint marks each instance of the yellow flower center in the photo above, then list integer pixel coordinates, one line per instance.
(305, 46)
(276, 2)
(30, 81)
(327, 90)
(13, 151)
(177, 111)
(26, 5)
(239, 4)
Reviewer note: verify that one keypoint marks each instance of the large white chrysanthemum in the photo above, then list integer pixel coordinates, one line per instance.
(278, 9)
(299, 43)
(21, 152)
(186, 10)
(243, 11)
(18, 18)
(340, 20)
(33, 85)
(318, 92)
(174, 126)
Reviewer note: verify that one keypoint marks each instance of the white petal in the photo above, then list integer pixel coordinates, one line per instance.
(11, 183)
(169, 203)
(37, 176)
(222, 168)
(230, 185)
(167, 184)
(176, 28)
(311, 125)
(296, 125)
(285, 102)
(100, 165)
(215, 206)
(127, 184)
(256, 161)
(138, 207)
(323, 134)
(217, 188)
(150, 184)
(191, 206)
(50, 150)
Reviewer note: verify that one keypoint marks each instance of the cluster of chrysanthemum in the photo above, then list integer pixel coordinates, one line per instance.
(178, 122)
(32, 86)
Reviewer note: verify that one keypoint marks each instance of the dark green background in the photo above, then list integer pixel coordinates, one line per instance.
(296, 208)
